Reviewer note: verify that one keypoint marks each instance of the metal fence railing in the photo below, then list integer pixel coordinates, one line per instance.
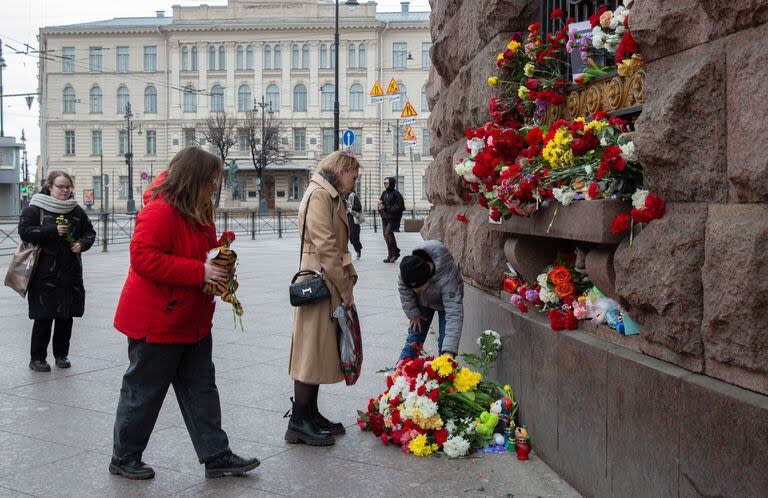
(115, 229)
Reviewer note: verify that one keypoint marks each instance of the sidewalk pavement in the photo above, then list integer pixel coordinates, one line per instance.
(56, 428)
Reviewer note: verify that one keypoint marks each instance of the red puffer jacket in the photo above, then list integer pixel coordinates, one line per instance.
(162, 298)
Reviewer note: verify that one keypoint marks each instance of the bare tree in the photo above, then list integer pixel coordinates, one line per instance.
(218, 130)
(263, 136)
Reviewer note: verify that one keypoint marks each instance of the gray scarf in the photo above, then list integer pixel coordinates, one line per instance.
(52, 204)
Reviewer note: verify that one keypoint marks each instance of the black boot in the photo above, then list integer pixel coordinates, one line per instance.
(63, 362)
(133, 469)
(302, 429)
(324, 424)
(39, 366)
(230, 464)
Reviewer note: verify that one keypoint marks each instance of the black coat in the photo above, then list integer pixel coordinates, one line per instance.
(56, 289)
(393, 203)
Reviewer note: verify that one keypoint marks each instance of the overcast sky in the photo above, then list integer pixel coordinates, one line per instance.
(21, 20)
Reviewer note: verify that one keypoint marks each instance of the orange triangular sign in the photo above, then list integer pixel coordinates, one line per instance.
(408, 111)
(393, 87)
(409, 134)
(377, 90)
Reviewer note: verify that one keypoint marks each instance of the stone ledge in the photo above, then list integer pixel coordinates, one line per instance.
(584, 221)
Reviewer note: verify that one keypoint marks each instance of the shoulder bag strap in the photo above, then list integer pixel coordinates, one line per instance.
(304, 229)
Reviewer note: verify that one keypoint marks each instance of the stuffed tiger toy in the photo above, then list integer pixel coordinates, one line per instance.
(226, 258)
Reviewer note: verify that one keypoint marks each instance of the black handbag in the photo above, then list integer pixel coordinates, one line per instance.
(313, 289)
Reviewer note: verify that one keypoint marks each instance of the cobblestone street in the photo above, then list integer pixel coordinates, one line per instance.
(56, 428)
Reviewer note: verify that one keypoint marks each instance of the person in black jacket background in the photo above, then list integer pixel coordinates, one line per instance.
(354, 217)
(391, 207)
(56, 290)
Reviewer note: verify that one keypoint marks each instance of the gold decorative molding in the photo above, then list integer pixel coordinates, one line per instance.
(607, 94)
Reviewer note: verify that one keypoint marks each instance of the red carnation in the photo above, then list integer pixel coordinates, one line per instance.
(495, 214)
(655, 206)
(534, 136)
(584, 143)
(371, 405)
(482, 201)
(462, 218)
(612, 158)
(434, 395)
(594, 190)
(555, 320)
(570, 322)
(620, 224)
(556, 14)
(385, 439)
(440, 436)
(600, 115)
(421, 391)
(522, 307)
(376, 422)
(627, 47)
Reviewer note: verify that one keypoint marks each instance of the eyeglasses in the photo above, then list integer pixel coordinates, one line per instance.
(63, 187)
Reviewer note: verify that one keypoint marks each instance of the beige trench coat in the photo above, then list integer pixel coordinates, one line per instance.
(314, 350)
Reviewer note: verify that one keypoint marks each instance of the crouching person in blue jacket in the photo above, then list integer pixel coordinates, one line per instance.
(429, 282)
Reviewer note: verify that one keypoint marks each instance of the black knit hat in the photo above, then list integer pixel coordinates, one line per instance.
(415, 271)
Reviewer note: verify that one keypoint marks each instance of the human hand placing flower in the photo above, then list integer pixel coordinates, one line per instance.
(62, 226)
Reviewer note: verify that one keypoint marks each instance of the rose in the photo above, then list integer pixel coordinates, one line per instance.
(560, 275)
(565, 290)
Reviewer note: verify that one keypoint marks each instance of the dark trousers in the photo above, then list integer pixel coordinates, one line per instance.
(389, 237)
(414, 337)
(354, 234)
(41, 336)
(153, 367)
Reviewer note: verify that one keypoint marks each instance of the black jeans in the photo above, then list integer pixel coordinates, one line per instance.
(389, 237)
(41, 336)
(153, 367)
(354, 234)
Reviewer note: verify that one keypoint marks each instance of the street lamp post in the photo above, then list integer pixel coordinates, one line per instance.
(3, 66)
(130, 205)
(263, 159)
(396, 138)
(350, 3)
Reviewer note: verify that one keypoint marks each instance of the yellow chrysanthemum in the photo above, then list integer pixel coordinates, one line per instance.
(493, 80)
(523, 92)
(558, 151)
(499, 57)
(419, 447)
(513, 45)
(529, 69)
(596, 126)
(466, 380)
(628, 67)
(434, 422)
(443, 365)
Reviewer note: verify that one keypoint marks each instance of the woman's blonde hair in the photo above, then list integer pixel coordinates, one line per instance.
(186, 186)
(337, 163)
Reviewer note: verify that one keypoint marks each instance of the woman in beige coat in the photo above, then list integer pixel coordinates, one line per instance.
(314, 349)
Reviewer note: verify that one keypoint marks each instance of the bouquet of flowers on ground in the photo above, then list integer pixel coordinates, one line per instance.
(433, 405)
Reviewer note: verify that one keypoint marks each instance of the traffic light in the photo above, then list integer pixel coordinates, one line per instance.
(23, 189)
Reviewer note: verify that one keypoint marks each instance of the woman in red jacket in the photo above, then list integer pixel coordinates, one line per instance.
(168, 320)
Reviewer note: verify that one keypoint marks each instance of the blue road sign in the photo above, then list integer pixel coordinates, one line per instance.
(348, 138)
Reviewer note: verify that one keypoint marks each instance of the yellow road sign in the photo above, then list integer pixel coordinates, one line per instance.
(409, 135)
(408, 111)
(377, 90)
(393, 87)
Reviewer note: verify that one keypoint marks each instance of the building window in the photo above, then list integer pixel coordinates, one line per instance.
(426, 62)
(122, 60)
(184, 59)
(239, 58)
(423, 187)
(424, 99)
(96, 184)
(211, 58)
(351, 57)
(150, 58)
(242, 140)
(299, 98)
(122, 191)
(357, 146)
(299, 139)
(323, 56)
(151, 143)
(425, 142)
(68, 59)
(122, 99)
(122, 142)
(278, 57)
(69, 100)
(273, 98)
(305, 56)
(333, 56)
(69, 143)
(356, 97)
(150, 100)
(222, 58)
(295, 189)
(96, 142)
(244, 100)
(327, 140)
(267, 57)
(295, 57)
(190, 99)
(189, 136)
(249, 57)
(399, 55)
(397, 105)
(326, 97)
(94, 60)
(361, 59)
(217, 99)
(194, 59)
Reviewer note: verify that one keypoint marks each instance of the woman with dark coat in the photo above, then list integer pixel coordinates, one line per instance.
(56, 290)
(168, 319)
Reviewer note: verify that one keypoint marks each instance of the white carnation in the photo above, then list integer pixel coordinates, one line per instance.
(629, 151)
(598, 37)
(547, 296)
(456, 447)
(542, 280)
(611, 42)
(618, 17)
(620, 30)
(564, 196)
(588, 169)
(475, 146)
(638, 199)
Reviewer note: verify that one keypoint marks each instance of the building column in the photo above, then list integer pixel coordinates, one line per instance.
(287, 89)
(230, 92)
(202, 79)
(174, 66)
(259, 88)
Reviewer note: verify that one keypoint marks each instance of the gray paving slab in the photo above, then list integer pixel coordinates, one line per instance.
(56, 428)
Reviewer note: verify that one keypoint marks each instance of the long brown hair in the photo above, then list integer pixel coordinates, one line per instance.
(186, 186)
